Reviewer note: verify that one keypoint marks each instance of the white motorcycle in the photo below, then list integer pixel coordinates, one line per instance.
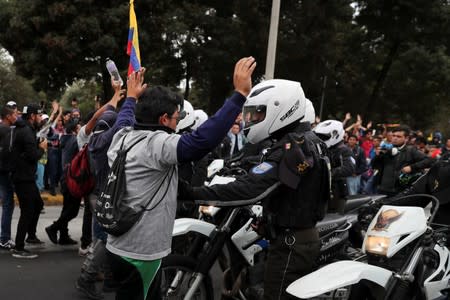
(407, 259)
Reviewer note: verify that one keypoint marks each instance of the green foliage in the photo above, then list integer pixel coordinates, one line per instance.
(388, 60)
(15, 87)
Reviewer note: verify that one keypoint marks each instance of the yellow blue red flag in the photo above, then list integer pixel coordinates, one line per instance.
(133, 42)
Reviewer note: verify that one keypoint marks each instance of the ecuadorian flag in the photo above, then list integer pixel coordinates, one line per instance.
(133, 42)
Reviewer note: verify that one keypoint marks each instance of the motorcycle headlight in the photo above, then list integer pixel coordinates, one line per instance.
(206, 210)
(377, 244)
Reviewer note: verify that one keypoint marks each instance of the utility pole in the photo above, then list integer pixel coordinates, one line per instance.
(322, 98)
(272, 44)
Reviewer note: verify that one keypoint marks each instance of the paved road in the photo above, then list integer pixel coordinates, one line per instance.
(52, 275)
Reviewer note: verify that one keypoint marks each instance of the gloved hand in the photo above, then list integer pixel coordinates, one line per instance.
(185, 190)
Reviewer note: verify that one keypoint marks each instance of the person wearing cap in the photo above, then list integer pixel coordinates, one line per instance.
(13, 105)
(28, 150)
(292, 182)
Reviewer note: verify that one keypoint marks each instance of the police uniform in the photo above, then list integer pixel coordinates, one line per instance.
(292, 208)
(342, 166)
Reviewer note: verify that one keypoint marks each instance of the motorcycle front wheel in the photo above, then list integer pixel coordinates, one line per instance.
(176, 278)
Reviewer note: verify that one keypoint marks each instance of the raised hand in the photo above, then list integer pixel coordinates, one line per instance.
(242, 77)
(135, 84)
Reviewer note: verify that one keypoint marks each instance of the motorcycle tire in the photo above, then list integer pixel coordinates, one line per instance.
(170, 266)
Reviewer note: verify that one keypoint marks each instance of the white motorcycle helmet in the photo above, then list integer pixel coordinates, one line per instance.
(188, 120)
(330, 131)
(310, 113)
(200, 117)
(271, 106)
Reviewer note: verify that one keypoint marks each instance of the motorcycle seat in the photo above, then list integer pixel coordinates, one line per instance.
(356, 201)
(330, 223)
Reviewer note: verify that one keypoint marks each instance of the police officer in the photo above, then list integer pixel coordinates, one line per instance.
(192, 172)
(342, 161)
(293, 179)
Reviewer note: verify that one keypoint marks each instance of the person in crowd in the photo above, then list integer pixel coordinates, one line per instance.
(445, 153)
(437, 139)
(75, 115)
(376, 143)
(13, 105)
(292, 175)
(354, 181)
(7, 133)
(54, 165)
(74, 104)
(366, 142)
(421, 144)
(387, 141)
(135, 256)
(342, 164)
(28, 150)
(237, 140)
(401, 159)
(66, 116)
(83, 137)
(71, 204)
(42, 162)
(107, 124)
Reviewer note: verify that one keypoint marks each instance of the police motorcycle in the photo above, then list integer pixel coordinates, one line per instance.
(228, 225)
(407, 259)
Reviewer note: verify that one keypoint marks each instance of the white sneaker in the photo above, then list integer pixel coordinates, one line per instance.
(9, 245)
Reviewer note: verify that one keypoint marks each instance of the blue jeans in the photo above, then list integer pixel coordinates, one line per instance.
(353, 184)
(7, 196)
(40, 176)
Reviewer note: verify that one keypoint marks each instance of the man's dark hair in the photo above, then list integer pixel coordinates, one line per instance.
(352, 136)
(71, 127)
(154, 103)
(403, 128)
(6, 110)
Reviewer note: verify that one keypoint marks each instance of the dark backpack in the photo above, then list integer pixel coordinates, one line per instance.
(112, 213)
(80, 179)
(7, 136)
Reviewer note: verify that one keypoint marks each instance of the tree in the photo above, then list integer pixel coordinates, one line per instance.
(13, 86)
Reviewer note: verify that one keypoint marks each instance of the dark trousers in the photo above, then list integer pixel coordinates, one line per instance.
(129, 278)
(86, 229)
(54, 166)
(291, 256)
(7, 196)
(31, 204)
(71, 206)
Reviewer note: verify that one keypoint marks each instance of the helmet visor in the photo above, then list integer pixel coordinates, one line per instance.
(324, 136)
(253, 114)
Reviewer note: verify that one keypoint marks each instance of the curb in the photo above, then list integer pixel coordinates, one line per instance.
(48, 199)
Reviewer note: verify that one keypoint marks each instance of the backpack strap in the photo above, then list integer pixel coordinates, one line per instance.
(134, 144)
(159, 187)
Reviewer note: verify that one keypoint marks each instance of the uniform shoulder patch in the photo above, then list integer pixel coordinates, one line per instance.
(262, 168)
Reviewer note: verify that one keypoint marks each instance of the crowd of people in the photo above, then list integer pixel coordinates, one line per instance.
(273, 123)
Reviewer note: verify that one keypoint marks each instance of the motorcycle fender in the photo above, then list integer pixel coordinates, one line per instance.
(337, 275)
(185, 225)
